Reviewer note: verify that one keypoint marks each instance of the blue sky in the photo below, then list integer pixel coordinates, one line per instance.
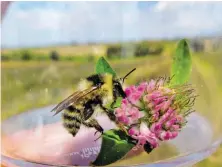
(30, 24)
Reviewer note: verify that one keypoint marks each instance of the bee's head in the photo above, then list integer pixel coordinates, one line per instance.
(117, 86)
(118, 89)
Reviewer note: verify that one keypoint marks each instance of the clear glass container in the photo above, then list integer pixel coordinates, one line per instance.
(32, 137)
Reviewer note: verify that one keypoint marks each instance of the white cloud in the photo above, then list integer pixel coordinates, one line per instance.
(108, 21)
(193, 16)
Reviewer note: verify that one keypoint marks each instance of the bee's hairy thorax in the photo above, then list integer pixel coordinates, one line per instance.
(105, 82)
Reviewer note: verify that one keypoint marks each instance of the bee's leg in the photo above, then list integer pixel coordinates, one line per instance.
(109, 113)
(88, 111)
(112, 105)
(114, 99)
(112, 117)
(92, 123)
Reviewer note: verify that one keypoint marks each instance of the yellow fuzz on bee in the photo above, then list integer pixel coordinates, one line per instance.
(84, 84)
(108, 86)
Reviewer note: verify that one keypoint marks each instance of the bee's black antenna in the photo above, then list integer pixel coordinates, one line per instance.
(128, 74)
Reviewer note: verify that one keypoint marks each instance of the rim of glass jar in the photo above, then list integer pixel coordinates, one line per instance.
(189, 155)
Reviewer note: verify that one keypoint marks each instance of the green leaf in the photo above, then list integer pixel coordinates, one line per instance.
(181, 66)
(102, 66)
(115, 145)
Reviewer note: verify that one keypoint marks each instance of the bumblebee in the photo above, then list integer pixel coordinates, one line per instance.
(96, 91)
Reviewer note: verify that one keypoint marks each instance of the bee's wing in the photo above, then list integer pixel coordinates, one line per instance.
(72, 99)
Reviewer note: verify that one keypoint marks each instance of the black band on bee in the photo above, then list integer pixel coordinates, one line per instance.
(72, 114)
(95, 79)
(72, 125)
(73, 109)
(71, 118)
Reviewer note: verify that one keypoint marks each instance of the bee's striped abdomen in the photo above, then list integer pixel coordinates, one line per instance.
(72, 120)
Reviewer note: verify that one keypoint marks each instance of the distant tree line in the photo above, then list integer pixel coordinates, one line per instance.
(112, 52)
(197, 46)
(137, 50)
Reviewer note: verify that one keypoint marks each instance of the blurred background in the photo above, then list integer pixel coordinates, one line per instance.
(46, 47)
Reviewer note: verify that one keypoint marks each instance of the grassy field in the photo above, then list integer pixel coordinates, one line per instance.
(43, 83)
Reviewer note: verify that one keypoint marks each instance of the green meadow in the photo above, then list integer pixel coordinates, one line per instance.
(40, 81)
